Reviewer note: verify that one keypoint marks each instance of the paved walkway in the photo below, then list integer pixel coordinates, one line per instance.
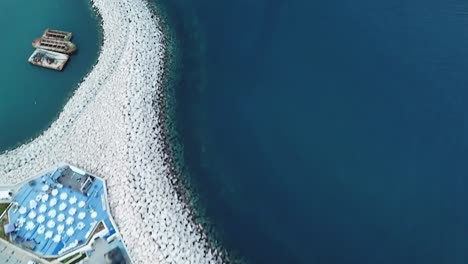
(12, 255)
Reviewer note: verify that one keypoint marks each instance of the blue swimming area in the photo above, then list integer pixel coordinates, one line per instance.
(47, 211)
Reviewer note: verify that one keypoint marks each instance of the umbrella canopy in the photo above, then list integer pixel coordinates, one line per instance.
(50, 224)
(72, 211)
(81, 215)
(69, 220)
(32, 204)
(38, 197)
(22, 210)
(41, 229)
(52, 202)
(45, 188)
(62, 206)
(70, 231)
(42, 208)
(59, 185)
(21, 221)
(73, 200)
(60, 228)
(56, 238)
(40, 219)
(54, 192)
(81, 204)
(49, 234)
(52, 213)
(61, 217)
(44, 198)
(80, 226)
(32, 214)
(93, 214)
(63, 196)
(9, 228)
(30, 226)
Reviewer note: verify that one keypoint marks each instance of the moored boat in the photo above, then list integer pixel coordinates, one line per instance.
(49, 59)
(57, 34)
(56, 45)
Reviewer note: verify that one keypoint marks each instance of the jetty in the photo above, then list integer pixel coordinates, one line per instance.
(53, 49)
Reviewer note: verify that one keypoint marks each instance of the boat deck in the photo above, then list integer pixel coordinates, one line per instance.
(49, 59)
(57, 34)
(54, 45)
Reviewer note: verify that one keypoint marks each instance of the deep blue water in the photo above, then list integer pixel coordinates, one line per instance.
(328, 131)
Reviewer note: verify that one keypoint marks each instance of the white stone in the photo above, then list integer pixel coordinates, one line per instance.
(106, 128)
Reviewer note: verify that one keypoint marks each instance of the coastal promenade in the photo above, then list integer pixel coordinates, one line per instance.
(111, 128)
(15, 255)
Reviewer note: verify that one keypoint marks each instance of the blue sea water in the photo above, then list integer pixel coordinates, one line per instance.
(327, 131)
(32, 97)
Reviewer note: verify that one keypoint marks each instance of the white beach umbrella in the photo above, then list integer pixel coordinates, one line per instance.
(60, 217)
(44, 198)
(70, 231)
(40, 219)
(30, 226)
(52, 213)
(60, 229)
(41, 229)
(93, 214)
(32, 214)
(32, 204)
(81, 204)
(81, 215)
(53, 202)
(21, 221)
(49, 234)
(62, 206)
(22, 210)
(59, 185)
(38, 197)
(56, 238)
(80, 226)
(45, 188)
(69, 220)
(72, 211)
(54, 192)
(42, 208)
(63, 196)
(50, 223)
(73, 200)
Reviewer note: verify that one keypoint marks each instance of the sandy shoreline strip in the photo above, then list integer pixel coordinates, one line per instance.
(109, 127)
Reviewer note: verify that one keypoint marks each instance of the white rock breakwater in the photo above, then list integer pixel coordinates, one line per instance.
(110, 128)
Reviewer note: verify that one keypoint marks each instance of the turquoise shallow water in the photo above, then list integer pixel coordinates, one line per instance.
(31, 97)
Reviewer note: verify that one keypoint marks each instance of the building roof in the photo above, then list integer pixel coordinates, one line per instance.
(115, 256)
(56, 217)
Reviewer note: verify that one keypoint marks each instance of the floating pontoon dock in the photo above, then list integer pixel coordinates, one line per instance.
(57, 34)
(54, 45)
(48, 59)
(52, 49)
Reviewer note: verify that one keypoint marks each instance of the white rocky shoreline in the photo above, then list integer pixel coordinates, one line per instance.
(110, 128)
